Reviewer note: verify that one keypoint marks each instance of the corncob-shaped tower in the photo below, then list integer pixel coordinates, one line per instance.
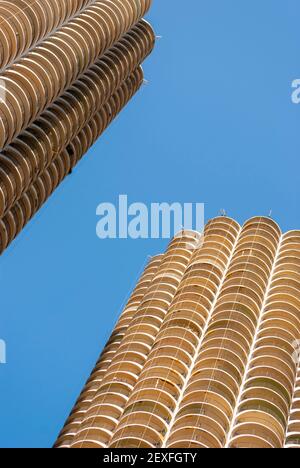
(67, 68)
(206, 351)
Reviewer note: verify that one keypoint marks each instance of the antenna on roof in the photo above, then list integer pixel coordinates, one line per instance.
(158, 37)
(145, 82)
(223, 212)
(270, 213)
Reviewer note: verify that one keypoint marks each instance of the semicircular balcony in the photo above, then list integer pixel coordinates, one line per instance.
(273, 363)
(191, 314)
(273, 334)
(202, 272)
(226, 224)
(236, 322)
(94, 434)
(165, 384)
(257, 246)
(204, 422)
(225, 343)
(254, 431)
(198, 265)
(143, 419)
(150, 407)
(223, 355)
(169, 362)
(267, 394)
(293, 441)
(153, 394)
(199, 286)
(219, 375)
(227, 333)
(281, 324)
(221, 364)
(163, 373)
(176, 352)
(266, 414)
(206, 408)
(267, 224)
(141, 432)
(240, 302)
(173, 333)
(193, 437)
(209, 396)
(211, 385)
(278, 353)
(253, 255)
(248, 277)
(173, 340)
(183, 320)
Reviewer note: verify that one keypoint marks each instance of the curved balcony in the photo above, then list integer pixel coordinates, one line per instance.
(224, 343)
(281, 324)
(219, 375)
(240, 342)
(174, 333)
(279, 354)
(141, 433)
(219, 363)
(262, 236)
(173, 363)
(237, 322)
(238, 302)
(163, 383)
(173, 342)
(227, 225)
(193, 437)
(222, 354)
(238, 276)
(199, 266)
(210, 397)
(265, 413)
(194, 288)
(174, 352)
(255, 434)
(267, 394)
(274, 363)
(186, 313)
(211, 385)
(293, 441)
(203, 422)
(206, 408)
(267, 224)
(95, 435)
(150, 407)
(253, 255)
(164, 373)
(183, 320)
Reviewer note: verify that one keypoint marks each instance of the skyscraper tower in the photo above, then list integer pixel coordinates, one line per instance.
(66, 70)
(205, 354)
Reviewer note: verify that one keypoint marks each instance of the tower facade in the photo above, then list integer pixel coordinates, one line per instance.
(206, 352)
(66, 70)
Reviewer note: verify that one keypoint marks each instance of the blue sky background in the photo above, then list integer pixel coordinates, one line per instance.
(216, 125)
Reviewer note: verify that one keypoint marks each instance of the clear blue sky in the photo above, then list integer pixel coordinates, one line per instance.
(214, 125)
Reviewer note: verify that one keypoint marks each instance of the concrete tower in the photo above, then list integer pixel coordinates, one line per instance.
(205, 353)
(66, 70)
